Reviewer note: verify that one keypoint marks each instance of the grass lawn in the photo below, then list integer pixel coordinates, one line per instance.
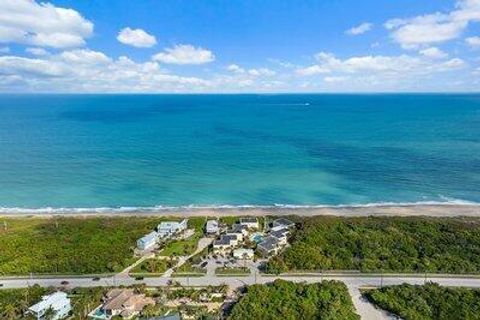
(187, 246)
(236, 270)
(154, 265)
(70, 245)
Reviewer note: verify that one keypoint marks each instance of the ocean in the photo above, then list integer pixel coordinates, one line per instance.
(67, 152)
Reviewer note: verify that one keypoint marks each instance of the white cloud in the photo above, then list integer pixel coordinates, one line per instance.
(37, 51)
(184, 54)
(436, 27)
(360, 29)
(42, 24)
(473, 42)
(136, 37)
(84, 70)
(335, 79)
(252, 72)
(434, 53)
(235, 68)
(398, 66)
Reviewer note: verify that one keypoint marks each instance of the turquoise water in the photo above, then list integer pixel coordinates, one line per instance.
(209, 150)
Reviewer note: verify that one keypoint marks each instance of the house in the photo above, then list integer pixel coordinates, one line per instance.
(58, 302)
(282, 222)
(243, 253)
(167, 229)
(240, 228)
(212, 227)
(225, 243)
(124, 303)
(148, 241)
(269, 246)
(250, 222)
(281, 235)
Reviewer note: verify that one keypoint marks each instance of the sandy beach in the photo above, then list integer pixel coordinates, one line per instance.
(446, 210)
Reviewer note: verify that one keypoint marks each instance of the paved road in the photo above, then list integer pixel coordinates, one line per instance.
(353, 282)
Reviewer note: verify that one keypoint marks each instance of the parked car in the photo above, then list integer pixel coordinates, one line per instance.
(96, 279)
(138, 278)
(64, 283)
(203, 264)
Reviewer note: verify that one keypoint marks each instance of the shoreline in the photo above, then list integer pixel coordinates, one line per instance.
(433, 210)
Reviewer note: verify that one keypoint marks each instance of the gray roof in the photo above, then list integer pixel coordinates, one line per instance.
(225, 240)
(279, 233)
(283, 222)
(269, 243)
(238, 228)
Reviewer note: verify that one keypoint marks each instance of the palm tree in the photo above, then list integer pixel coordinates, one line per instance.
(49, 314)
(10, 311)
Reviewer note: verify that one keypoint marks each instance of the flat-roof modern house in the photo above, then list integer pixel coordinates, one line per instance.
(269, 246)
(212, 227)
(57, 303)
(250, 222)
(124, 303)
(148, 241)
(169, 228)
(282, 222)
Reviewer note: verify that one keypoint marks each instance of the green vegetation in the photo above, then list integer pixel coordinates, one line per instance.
(15, 302)
(290, 301)
(378, 244)
(187, 246)
(427, 302)
(237, 271)
(154, 265)
(70, 245)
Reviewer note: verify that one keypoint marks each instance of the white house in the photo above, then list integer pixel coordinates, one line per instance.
(58, 302)
(251, 223)
(224, 244)
(282, 222)
(169, 228)
(212, 227)
(147, 241)
(243, 253)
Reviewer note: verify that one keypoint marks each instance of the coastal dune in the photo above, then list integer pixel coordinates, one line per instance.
(437, 210)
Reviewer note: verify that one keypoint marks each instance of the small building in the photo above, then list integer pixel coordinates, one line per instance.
(243, 254)
(148, 241)
(167, 229)
(124, 303)
(282, 222)
(212, 227)
(58, 302)
(269, 246)
(250, 222)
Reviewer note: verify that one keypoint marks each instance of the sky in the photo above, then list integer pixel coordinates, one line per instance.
(239, 46)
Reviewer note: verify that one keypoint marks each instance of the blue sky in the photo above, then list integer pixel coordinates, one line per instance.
(239, 46)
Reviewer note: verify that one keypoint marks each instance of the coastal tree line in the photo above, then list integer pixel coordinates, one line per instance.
(383, 244)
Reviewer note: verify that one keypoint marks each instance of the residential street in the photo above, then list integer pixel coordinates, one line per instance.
(353, 282)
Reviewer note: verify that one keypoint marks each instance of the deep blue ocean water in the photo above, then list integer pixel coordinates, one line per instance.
(202, 150)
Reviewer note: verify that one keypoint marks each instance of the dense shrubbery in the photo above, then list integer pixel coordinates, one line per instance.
(383, 244)
(427, 302)
(291, 301)
(70, 245)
